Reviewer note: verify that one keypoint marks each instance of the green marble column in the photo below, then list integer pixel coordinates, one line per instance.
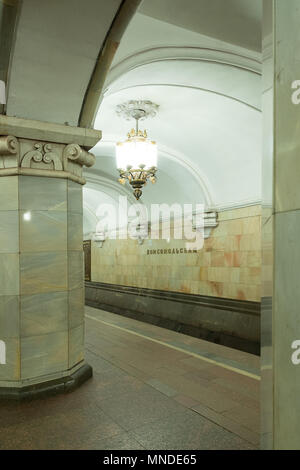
(281, 226)
(41, 257)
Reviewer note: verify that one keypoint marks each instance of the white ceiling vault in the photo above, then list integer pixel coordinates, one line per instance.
(206, 78)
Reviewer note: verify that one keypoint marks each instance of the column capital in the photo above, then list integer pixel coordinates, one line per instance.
(45, 149)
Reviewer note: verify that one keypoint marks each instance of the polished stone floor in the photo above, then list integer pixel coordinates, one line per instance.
(152, 389)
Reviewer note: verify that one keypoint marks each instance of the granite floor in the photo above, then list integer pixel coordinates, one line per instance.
(152, 389)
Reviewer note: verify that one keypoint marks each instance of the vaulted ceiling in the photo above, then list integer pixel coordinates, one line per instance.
(199, 60)
(202, 66)
(54, 55)
(234, 21)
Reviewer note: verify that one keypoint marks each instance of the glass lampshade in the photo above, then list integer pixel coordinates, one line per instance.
(136, 153)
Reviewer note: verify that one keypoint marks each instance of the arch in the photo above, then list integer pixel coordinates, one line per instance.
(197, 88)
(175, 53)
(100, 182)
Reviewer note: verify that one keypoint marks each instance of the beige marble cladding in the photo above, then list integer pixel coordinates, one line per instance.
(43, 313)
(40, 193)
(75, 232)
(43, 231)
(228, 266)
(74, 197)
(43, 272)
(75, 270)
(9, 274)
(76, 307)
(44, 354)
(9, 191)
(9, 231)
(41, 252)
(76, 345)
(41, 276)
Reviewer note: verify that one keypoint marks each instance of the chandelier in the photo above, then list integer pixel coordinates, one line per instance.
(137, 156)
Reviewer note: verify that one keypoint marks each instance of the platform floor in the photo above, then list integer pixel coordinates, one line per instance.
(152, 389)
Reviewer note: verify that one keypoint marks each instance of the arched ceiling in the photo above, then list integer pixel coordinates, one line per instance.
(208, 127)
(55, 51)
(199, 60)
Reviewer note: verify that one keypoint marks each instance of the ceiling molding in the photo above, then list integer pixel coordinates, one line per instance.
(178, 85)
(175, 53)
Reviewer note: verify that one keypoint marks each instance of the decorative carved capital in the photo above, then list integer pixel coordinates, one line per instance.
(40, 158)
(9, 145)
(76, 154)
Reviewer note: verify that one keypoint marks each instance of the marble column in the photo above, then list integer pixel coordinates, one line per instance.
(41, 256)
(281, 226)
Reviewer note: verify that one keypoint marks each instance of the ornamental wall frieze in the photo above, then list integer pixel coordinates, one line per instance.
(40, 158)
(44, 154)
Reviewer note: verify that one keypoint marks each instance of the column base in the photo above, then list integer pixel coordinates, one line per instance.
(53, 387)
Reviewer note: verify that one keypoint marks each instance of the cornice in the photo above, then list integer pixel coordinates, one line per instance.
(49, 131)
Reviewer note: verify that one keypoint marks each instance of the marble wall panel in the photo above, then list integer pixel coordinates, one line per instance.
(75, 232)
(43, 231)
(43, 272)
(9, 316)
(75, 270)
(39, 193)
(9, 231)
(76, 345)
(229, 265)
(43, 313)
(41, 258)
(9, 190)
(9, 274)
(44, 354)
(74, 197)
(76, 307)
(286, 301)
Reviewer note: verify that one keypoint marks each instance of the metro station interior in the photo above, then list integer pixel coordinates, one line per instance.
(149, 248)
